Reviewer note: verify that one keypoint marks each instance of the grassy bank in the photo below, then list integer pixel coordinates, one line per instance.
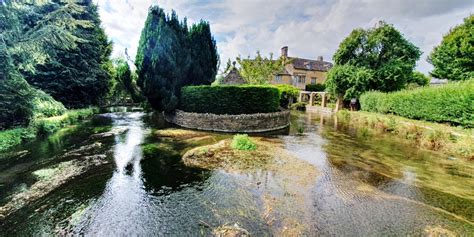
(454, 141)
(42, 127)
(452, 103)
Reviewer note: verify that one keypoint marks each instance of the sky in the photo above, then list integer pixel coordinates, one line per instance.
(310, 28)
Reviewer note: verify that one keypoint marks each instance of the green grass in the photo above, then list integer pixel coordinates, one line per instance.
(42, 127)
(243, 142)
(455, 141)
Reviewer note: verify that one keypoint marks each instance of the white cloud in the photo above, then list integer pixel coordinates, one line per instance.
(309, 27)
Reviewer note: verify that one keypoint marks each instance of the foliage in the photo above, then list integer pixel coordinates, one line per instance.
(230, 99)
(204, 56)
(243, 142)
(124, 83)
(40, 127)
(348, 81)
(218, 80)
(378, 58)
(288, 94)
(453, 103)
(170, 56)
(419, 79)
(315, 87)
(301, 106)
(453, 59)
(261, 70)
(79, 76)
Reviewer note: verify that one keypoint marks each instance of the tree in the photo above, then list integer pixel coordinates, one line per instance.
(27, 32)
(378, 58)
(453, 59)
(170, 56)
(79, 76)
(419, 79)
(204, 55)
(261, 70)
(124, 83)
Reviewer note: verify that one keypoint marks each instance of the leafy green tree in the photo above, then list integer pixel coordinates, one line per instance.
(124, 84)
(453, 59)
(261, 70)
(419, 79)
(79, 76)
(380, 54)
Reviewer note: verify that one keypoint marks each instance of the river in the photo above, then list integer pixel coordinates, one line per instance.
(95, 179)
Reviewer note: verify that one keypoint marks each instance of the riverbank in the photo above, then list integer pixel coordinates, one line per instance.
(42, 127)
(454, 141)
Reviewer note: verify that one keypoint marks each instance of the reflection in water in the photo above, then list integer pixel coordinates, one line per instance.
(124, 198)
(363, 187)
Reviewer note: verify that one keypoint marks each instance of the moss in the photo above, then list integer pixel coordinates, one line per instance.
(243, 142)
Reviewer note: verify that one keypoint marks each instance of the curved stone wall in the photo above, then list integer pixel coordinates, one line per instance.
(245, 123)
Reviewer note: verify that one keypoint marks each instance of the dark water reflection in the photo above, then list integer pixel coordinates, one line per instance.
(365, 187)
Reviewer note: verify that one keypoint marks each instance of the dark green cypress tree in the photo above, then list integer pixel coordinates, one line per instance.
(170, 56)
(204, 55)
(162, 59)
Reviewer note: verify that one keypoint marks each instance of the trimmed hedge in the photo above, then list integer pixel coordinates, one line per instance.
(288, 94)
(247, 99)
(315, 87)
(452, 103)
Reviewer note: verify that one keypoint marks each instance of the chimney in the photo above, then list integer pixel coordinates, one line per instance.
(284, 51)
(320, 58)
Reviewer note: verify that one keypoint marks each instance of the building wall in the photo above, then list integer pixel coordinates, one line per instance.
(308, 75)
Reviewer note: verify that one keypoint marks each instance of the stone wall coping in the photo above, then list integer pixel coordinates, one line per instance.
(231, 123)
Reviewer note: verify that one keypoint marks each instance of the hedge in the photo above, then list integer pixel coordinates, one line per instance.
(230, 99)
(288, 94)
(315, 87)
(452, 103)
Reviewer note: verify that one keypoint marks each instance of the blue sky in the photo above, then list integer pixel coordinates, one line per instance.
(309, 27)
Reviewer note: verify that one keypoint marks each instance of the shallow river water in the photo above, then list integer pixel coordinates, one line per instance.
(95, 179)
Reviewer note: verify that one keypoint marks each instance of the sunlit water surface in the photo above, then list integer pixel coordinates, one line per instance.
(363, 187)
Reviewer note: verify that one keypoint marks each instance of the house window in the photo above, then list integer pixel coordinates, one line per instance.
(313, 80)
(301, 79)
(278, 78)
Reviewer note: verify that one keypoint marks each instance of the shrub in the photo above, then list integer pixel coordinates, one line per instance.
(452, 103)
(243, 142)
(288, 94)
(315, 87)
(230, 99)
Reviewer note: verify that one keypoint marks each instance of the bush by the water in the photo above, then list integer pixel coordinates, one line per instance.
(41, 127)
(288, 94)
(315, 87)
(243, 142)
(230, 99)
(452, 103)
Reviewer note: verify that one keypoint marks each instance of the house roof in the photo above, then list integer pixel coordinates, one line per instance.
(312, 65)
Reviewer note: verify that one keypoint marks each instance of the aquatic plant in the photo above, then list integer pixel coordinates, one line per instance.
(243, 142)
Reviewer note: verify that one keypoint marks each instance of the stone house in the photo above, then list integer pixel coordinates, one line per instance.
(233, 77)
(301, 72)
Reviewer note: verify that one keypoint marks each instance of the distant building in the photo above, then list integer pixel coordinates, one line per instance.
(301, 72)
(233, 77)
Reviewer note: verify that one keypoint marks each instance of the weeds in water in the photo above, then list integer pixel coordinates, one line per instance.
(300, 129)
(243, 142)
